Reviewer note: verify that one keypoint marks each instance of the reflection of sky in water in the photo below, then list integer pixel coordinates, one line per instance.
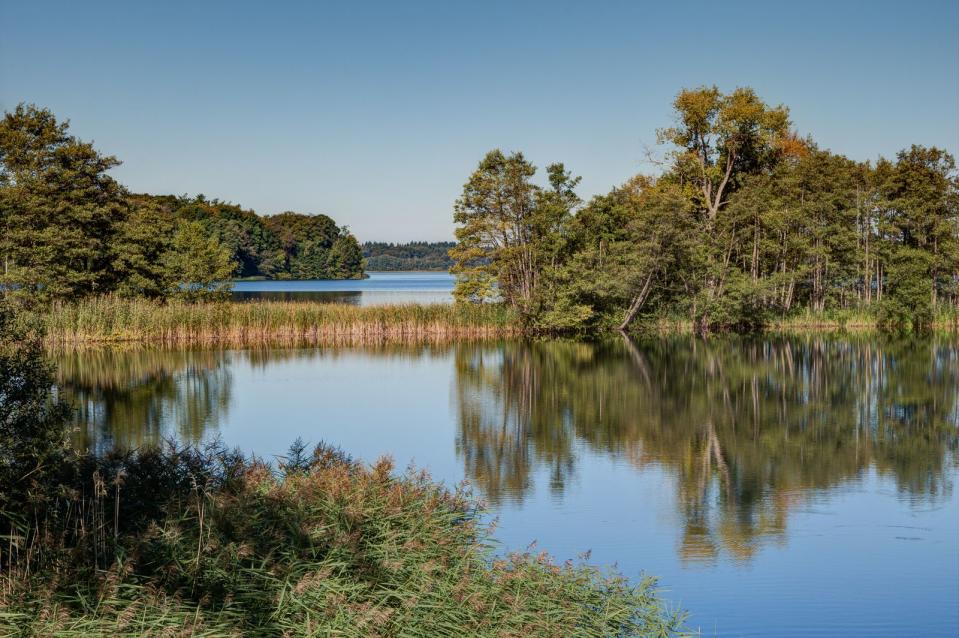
(801, 486)
(378, 288)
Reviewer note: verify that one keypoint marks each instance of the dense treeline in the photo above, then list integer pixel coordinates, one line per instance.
(416, 255)
(747, 221)
(68, 229)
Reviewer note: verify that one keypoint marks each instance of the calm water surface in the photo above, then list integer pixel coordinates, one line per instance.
(378, 288)
(786, 486)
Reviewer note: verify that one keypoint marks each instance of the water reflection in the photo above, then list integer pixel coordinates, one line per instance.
(747, 430)
(136, 398)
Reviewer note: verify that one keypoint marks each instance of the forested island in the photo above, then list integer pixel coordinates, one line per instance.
(414, 255)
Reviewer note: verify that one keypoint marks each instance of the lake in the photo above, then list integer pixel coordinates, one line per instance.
(780, 486)
(378, 288)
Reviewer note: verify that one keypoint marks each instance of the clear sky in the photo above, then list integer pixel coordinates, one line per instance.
(375, 113)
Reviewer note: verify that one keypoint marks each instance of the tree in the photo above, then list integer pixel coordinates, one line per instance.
(415, 255)
(143, 240)
(624, 249)
(59, 209)
(719, 140)
(921, 193)
(304, 241)
(345, 258)
(908, 299)
(510, 229)
(199, 264)
(32, 421)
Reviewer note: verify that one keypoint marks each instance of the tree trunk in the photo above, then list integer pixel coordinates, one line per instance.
(636, 305)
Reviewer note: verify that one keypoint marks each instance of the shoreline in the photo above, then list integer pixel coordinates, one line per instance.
(103, 321)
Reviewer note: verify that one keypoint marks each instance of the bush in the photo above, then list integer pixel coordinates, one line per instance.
(32, 421)
(907, 301)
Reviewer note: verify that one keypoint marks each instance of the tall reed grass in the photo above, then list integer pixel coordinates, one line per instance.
(185, 542)
(114, 319)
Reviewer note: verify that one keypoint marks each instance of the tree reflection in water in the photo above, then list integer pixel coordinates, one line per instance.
(749, 429)
(137, 398)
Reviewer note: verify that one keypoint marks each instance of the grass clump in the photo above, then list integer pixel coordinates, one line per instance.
(116, 319)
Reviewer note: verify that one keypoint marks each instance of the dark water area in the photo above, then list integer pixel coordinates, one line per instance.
(378, 288)
(787, 486)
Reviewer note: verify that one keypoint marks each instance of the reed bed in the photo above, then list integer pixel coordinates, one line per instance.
(110, 319)
(187, 542)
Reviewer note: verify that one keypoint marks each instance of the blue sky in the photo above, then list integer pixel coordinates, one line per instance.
(375, 113)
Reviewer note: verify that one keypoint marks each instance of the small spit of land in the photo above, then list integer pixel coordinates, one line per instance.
(113, 319)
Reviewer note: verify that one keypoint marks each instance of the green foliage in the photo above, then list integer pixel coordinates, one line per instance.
(198, 264)
(32, 422)
(510, 230)
(622, 257)
(416, 255)
(720, 139)
(58, 210)
(315, 248)
(142, 247)
(346, 259)
(908, 299)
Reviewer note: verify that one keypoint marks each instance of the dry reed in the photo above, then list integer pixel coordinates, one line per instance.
(110, 319)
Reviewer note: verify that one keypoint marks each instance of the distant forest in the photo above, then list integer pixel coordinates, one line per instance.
(416, 255)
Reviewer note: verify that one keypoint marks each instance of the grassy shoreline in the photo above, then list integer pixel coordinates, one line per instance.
(824, 322)
(114, 320)
(104, 320)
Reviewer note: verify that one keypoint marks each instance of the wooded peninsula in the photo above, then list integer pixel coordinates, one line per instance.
(748, 221)
(68, 230)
